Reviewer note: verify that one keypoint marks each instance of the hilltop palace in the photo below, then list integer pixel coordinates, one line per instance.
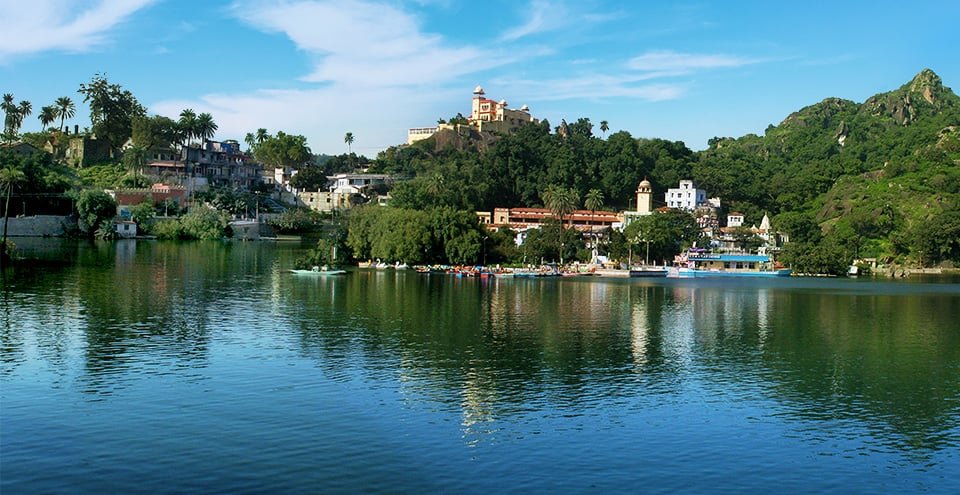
(485, 115)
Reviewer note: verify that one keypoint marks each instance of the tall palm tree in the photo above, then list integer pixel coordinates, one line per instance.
(48, 115)
(9, 109)
(561, 201)
(24, 109)
(348, 138)
(9, 177)
(205, 127)
(593, 201)
(65, 109)
(187, 125)
(251, 141)
(604, 127)
(262, 135)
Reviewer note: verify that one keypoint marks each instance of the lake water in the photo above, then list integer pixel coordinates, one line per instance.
(146, 367)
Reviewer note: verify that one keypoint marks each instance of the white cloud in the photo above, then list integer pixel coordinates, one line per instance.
(375, 73)
(670, 62)
(593, 87)
(364, 43)
(543, 16)
(378, 119)
(67, 25)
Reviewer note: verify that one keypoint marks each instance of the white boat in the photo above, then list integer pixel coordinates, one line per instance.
(319, 270)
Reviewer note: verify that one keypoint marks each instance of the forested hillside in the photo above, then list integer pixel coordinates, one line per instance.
(877, 178)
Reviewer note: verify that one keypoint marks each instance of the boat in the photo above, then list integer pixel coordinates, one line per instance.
(648, 271)
(365, 264)
(319, 270)
(697, 265)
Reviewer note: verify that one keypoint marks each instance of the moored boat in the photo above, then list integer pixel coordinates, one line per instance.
(727, 265)
(648, 271)
(319, 270)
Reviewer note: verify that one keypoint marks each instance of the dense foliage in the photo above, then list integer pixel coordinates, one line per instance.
(868, 176)
(96, 210)
(415, 236)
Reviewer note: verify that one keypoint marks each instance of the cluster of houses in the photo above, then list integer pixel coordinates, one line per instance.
(686, 197)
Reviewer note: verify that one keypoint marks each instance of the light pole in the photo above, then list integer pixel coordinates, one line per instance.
(485, 250)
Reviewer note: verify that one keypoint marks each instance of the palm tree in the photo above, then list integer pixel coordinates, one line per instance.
(9, 110)
(48, 115)
(23, 111)
(262, 135)
(348, 138)
(251, 141)
(65, 109)
(593, 201)
(187, 125)
(604, 127)
(560, 201)
(9, 177)
(205, 127)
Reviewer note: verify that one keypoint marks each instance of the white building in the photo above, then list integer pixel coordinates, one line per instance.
(735, 219)
(686, 197)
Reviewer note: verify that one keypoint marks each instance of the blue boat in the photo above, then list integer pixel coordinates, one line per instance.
(728, 265)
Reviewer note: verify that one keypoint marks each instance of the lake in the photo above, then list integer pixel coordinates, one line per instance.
(155, 367)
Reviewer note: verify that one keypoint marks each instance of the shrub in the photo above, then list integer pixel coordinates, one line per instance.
(204, 224)
(167, 229)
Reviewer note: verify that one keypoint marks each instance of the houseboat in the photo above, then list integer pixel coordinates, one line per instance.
(726, 265)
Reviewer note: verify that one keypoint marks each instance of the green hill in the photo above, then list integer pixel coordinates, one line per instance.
(876, 177)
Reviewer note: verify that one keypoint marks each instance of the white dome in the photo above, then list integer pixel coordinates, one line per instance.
(478, 90)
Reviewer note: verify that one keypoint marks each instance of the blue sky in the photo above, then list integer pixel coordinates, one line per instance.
(683, 71)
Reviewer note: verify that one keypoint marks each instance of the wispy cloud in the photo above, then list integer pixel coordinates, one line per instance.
(66, 25)
(373, 71)
(365, 43)
(670, 62)
(543, 16)
(593, 87)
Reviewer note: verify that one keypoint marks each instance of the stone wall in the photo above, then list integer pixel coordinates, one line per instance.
(38, 226)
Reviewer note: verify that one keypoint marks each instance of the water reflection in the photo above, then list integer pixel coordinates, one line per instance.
(496, 352)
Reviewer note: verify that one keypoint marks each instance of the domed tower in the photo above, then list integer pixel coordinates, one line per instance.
(478, 96)
(644, 197)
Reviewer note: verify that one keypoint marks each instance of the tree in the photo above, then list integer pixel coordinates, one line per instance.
(251, 141)
(560, 201)
(310, 178)
(593, 201)
(283, 150)
(9, 115)
(604, 127)
(112, 110)
(262, 135)
(65, 109)
(47, 116)
(663, 235)
(154, 132)
(24, 109)
(187, 125)
(9, 178)
(95, 208)
(204, 127)
(348, 138)
(204, 223)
